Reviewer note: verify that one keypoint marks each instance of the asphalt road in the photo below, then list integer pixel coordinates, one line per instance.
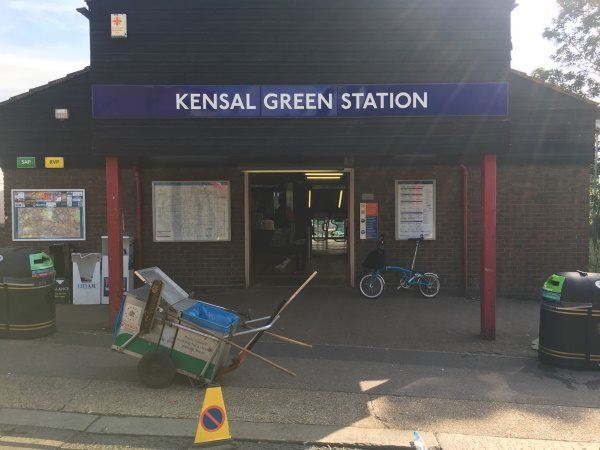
(385, 379)
(86, 355)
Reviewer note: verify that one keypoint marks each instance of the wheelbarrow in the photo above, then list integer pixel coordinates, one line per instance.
(172, 333)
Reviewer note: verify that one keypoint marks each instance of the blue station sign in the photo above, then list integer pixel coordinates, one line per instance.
(381, 100)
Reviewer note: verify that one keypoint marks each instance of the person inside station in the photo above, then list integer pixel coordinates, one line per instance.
(299, 220)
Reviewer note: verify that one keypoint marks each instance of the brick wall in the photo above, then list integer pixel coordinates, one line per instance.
(198, 263)
(542, 222)
(442, 256)
(92, 180)
(189, 263)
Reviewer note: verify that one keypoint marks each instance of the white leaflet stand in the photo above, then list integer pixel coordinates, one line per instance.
(127, 274)
(86, 278)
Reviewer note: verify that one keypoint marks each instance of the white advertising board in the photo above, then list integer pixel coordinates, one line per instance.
(191, 211)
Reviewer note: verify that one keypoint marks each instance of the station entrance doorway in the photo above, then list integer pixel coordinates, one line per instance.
(299, 221)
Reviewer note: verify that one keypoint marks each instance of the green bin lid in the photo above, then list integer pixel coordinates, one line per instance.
(553, 286)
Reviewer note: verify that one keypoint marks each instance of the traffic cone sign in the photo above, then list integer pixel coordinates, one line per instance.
(213, 426)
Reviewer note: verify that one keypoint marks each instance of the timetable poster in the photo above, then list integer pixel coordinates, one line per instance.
(415, 209)
(190, 211)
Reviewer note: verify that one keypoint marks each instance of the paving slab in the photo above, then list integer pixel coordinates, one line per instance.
(26, 391)
(464, 442)
(258, 404)
(489, 418)
(47, 419)
(144, 426)
(327, 435)
(269, 432)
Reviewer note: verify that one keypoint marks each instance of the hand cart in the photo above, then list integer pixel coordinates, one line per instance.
(173, 333)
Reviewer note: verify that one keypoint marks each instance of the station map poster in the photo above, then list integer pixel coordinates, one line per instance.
(48, 215)
(415, 209)
(191, 211)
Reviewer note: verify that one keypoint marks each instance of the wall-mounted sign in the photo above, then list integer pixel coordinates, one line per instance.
(48, 215)
(392, 100)
(189, 211)
(369, 218)
(118, 25)
(25, 162)
(54, 162)
(415, 209)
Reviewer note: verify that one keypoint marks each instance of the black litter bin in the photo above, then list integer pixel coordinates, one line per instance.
(63, 266)
(570, 320)
(27, 293)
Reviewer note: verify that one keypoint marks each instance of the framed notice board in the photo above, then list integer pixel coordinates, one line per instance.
(415, 209)
(48, 215)
(191, 211)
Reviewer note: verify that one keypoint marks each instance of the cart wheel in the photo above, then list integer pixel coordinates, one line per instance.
(156, 369)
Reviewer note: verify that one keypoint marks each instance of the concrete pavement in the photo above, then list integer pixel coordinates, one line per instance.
(350, 389)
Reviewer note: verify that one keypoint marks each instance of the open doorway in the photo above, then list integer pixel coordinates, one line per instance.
(299, 222)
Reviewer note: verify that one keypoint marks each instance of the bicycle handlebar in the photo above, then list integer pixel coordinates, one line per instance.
(381, 240)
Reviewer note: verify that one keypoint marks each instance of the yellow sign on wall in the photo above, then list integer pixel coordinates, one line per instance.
(54, 162)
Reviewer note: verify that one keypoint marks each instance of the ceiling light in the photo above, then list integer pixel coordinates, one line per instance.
(337, 174)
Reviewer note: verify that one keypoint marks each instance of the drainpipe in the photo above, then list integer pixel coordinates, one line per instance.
(138, 217)
(465, 205)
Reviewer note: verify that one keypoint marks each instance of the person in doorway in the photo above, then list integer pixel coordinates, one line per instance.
(301, 235)
(287, 236)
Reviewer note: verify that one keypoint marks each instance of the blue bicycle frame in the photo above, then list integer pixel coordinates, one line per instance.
(412, 278)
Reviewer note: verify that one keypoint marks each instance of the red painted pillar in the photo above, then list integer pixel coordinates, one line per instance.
(115, 237)
(488, 247)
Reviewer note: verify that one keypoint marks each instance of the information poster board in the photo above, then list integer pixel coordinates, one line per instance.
(415, 209)
(191, 211)
(369, 218)
(48, 215)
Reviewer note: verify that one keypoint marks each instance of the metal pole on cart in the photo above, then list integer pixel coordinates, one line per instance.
(235, 363)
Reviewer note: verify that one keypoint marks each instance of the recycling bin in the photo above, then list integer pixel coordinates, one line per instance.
(27, 307)
(570, 320)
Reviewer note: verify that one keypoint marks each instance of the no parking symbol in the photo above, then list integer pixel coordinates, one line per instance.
(212, 418)
(212, 424)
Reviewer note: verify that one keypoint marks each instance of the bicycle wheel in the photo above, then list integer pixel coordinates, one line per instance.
(371, 286)
(429, 285)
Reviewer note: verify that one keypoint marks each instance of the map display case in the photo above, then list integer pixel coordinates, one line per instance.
(48, 215)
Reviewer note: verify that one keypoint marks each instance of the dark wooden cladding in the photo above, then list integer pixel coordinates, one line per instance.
(281, 137)
(301, 42)
(242, 40)
(28, 126)
(549, 123)
(234, 72)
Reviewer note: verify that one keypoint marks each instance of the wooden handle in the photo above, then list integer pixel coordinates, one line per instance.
(287, 339)
(262, 358)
